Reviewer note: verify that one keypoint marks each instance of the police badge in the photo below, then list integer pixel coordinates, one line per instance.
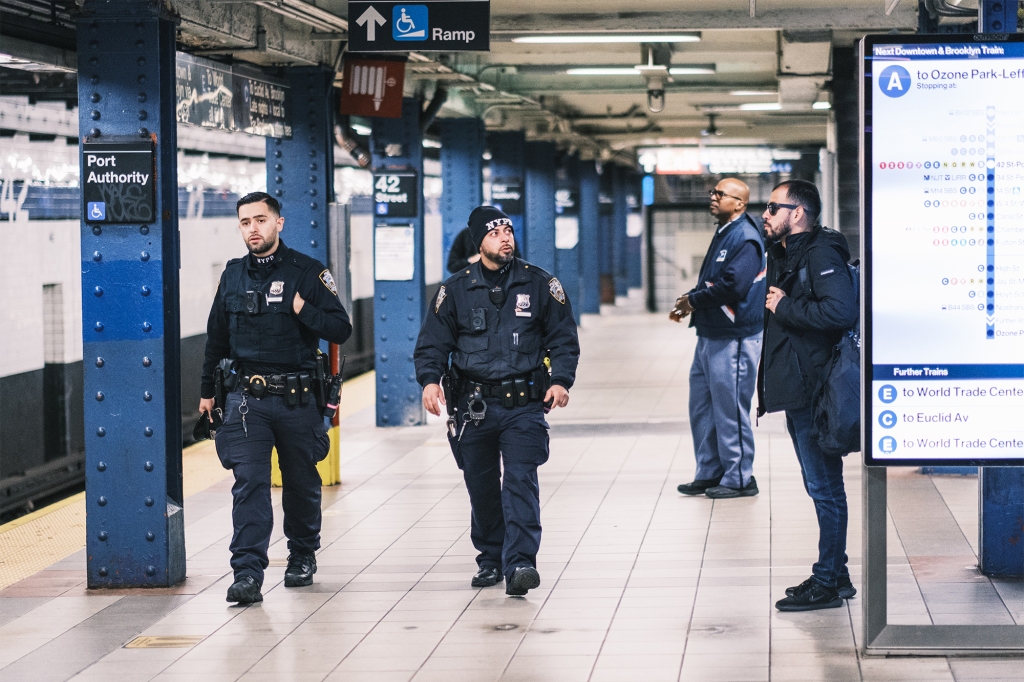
(276, 288)
(522, 303)
(328, 281)
(441, 293)
(557, 292)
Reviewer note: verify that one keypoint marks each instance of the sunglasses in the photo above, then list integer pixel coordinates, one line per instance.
(717, 194)
(773, 207)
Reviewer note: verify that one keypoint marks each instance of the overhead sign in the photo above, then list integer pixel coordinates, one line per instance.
(373, 87)
(426, 26)
(237, 98)
(117, 182)
(943, 268)
(395, 195)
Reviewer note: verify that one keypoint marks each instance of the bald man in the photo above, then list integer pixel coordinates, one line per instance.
(726, 307)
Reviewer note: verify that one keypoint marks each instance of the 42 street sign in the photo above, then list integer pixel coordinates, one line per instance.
(426, 26)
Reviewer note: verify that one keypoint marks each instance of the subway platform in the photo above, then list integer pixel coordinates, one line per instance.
(638, 582)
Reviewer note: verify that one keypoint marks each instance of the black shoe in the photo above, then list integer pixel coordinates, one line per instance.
(721, 492)
(523, 579)
(487, 576)
(811, 595)
(301, 567)
(698, 486)
(245, 591)
(844, 586)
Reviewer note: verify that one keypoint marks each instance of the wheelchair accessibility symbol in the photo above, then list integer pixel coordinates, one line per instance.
(96, 210)
(409, 22)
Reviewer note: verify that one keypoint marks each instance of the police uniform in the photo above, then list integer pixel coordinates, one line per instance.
(253, 321)
(498, 347)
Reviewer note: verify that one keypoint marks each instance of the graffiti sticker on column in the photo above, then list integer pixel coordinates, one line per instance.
(117, 182)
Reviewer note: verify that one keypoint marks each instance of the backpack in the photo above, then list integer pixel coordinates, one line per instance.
(835, 405)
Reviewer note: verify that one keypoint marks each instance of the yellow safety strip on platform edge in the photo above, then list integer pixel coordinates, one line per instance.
(32, 542)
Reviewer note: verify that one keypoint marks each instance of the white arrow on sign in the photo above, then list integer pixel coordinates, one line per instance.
(370, 18)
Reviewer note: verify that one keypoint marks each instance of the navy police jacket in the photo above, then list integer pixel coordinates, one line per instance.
(491, 344)
(260, 329)
(729, 301)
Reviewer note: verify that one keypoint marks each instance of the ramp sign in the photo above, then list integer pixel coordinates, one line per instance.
(426, 26)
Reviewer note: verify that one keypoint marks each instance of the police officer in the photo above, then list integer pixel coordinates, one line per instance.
(271, 309)
(497, 320)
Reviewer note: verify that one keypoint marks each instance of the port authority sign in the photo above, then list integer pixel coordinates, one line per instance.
(425, 26)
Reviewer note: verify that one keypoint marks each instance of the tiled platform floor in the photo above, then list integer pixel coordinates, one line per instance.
(639, 583)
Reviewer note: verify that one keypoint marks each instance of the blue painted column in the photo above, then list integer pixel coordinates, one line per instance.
(606, 234)
(1001, 489)
(540, 204)
(567, 228)
(634, 232)
(135, 525)
(396, 146)
(508, 179)
(462, 150)
(619, 217)
(300, 169)
(590, 272)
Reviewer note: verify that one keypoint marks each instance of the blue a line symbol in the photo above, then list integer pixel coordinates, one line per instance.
(409, 22)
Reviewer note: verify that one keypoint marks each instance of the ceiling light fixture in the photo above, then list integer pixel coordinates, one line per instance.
(753, 93)
(610, 38)
(695, 70)
(821, 105)
(760, 106)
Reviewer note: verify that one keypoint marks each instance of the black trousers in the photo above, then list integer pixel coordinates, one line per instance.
(499, 460)
(300, 435)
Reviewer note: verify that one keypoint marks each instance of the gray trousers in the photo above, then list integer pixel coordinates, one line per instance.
(722, 382)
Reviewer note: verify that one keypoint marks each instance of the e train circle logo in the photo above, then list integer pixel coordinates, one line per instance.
(894, 81)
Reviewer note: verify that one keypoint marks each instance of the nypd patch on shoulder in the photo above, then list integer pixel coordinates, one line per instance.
(328, 281)
(555, 287)
(441, 293)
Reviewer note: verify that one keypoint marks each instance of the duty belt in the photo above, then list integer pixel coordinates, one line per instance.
(514, 391)
(296, 387)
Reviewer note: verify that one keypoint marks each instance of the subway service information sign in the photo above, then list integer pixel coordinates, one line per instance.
(943, 332)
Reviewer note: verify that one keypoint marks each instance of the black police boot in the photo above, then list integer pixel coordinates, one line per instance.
(698, 486)
(523, 579)
(245, 591)
(301, 567)
(721, 492)
(487, 576)
(811, 595)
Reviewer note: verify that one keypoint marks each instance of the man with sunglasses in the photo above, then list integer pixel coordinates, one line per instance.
(726, 311)
(811, 302)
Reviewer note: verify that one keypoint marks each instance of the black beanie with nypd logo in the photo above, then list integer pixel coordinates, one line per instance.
(482, 220)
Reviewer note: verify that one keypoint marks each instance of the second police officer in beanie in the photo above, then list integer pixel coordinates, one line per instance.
(486, 337)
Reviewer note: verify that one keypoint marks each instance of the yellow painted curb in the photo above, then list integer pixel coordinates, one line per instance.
(22, 520)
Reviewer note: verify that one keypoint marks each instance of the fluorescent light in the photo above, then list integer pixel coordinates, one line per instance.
(604, 71)
(431, 144)
(760, 106)
(611, 38)
(821, 105)
(700, 69)
(753, 93)
(360, 129)
(692, 70)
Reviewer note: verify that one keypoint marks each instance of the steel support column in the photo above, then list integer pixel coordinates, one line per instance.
(590, 273)
(300, 174)
(606, 234)
(567, 229)
(540, 205)
(135, 533)
(619, 216)
(507, 169)
(462, 151)
(634, 242)
(396, 145)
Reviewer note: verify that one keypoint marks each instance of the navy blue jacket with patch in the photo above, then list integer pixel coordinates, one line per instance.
(491, 344)
(728, 300)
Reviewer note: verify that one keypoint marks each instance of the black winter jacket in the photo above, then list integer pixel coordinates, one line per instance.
(800, 335)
